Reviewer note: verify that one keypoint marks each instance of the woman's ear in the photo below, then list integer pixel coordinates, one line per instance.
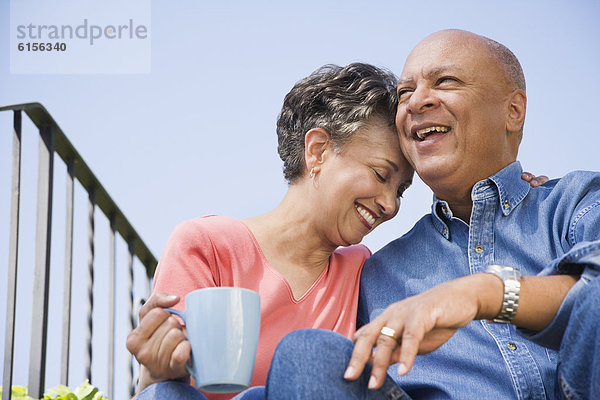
(317, 144)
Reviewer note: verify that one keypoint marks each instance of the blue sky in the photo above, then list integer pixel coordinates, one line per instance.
(196, 135)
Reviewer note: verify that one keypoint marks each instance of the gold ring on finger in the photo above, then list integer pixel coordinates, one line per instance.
(389, 332)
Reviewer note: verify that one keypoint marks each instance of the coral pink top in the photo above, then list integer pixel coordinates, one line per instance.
(222, 251)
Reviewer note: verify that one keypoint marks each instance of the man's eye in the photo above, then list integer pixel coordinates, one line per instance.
(403, 93)
(445, 79)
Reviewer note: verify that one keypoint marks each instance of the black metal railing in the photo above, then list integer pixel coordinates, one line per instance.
(52, 140)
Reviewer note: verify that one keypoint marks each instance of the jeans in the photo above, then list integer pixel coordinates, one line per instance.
(171, 390)
(310, 364)
(579, 357)
(298, 372)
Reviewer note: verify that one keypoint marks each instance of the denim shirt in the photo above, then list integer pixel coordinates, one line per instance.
(550, 229)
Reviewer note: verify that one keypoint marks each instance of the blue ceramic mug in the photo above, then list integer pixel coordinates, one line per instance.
(223, 325)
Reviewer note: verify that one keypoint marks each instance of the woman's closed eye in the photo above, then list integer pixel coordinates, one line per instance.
(401, 189)
(380, 177)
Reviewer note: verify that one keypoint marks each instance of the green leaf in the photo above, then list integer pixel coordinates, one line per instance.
(60, 390)
(18, 393)
(85, 391)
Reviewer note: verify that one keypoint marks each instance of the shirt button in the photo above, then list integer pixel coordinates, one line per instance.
(506, 204)
(479, 249)
(445, 231)
(444, 210)
(511, 346)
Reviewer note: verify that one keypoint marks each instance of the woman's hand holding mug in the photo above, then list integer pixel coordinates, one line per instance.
(159, 342)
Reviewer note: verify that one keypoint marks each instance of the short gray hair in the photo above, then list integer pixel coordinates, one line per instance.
(510, 63)
(340, 100)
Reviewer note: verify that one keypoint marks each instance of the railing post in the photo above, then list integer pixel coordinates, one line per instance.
(132, 316)
(13, 256)
(39, 324)
(90, 286)
(148, 287)
(111, 308)
(68, 274)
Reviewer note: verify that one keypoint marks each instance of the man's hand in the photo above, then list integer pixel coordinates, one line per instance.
(422, 323)
(159, 342)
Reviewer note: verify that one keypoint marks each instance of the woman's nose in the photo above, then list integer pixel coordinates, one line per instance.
(389, 203)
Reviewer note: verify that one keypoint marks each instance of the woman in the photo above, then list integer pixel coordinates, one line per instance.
(346, 175)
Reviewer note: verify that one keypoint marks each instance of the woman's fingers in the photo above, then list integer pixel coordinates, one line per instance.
(539, 180)
(159, 342)
(172, 337)
(153, 320)
(158, 300)
(138, 339)
(533, 180)
(180, 356)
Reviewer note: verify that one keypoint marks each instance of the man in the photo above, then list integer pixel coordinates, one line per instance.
(460, 117)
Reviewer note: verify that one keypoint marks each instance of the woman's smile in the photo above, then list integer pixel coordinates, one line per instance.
(366, 216)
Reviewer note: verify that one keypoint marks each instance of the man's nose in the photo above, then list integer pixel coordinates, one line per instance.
(421, 99)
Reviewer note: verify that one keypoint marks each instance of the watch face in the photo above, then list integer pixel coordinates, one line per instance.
(504, 272)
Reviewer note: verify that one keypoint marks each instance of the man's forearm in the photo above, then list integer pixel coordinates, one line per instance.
(539, 300)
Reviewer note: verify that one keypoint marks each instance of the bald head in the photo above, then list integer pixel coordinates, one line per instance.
(506, 59)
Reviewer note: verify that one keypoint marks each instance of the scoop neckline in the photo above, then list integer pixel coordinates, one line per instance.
(266, 262)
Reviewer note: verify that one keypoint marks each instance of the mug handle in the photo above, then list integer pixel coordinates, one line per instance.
(181, 314)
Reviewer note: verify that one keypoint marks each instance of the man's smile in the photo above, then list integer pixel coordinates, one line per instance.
(422, 133)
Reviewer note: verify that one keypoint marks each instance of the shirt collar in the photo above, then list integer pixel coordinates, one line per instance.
(511, 190)
(441, 212)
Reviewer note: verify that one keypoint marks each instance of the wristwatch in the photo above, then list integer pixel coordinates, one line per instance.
(511, 277)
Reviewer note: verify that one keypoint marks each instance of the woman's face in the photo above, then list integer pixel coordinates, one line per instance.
(361, 185)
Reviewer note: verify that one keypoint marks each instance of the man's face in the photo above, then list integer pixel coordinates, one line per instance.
(452, 114)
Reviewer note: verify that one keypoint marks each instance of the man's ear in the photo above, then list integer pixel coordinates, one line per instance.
(516, 111)
(317, 144)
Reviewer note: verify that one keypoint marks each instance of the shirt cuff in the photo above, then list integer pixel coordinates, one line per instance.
(581, 256)
(552, 335)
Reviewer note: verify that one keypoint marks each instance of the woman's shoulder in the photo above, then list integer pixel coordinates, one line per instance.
(213, 225)
(216, 231)
(346, 263)
(208, 236)
(354, 253)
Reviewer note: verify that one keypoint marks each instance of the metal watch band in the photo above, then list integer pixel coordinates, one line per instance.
(511, 278)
